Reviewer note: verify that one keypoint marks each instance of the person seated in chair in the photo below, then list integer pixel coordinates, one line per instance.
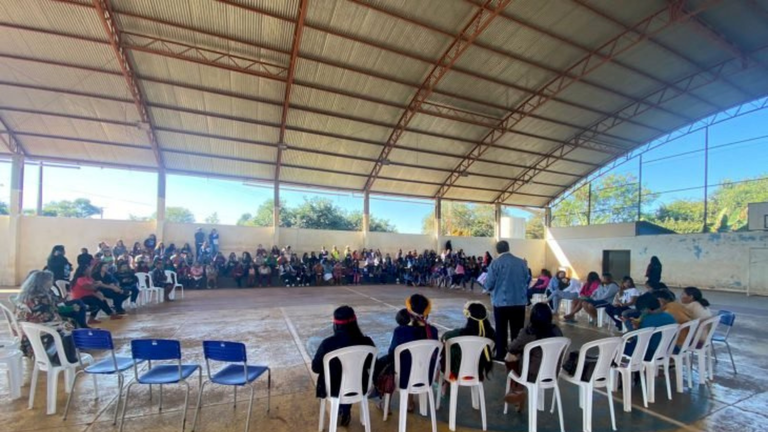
(477, 324)
(346, 333)
(160, 280)
(651, 316)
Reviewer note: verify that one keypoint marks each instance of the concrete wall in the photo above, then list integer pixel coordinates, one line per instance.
(231, 238)
(307, 240)
(392, 242)
(7, 268)
(718, 261)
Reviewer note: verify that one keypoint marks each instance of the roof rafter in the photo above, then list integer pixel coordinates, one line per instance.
(107, 19)
(297, 32)
(477, 24)
(13, 143)
(651, 25)
(690, 82)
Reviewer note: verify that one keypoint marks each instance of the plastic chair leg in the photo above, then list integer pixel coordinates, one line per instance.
(387, 401)
(403, 416)
(644, 387)
(199, 407)
(71, 394)
(702, 367)
(626, 387)
(650, 381)
(15, 376)
(667, 380)
(560, 407)
(423, 404)
(610, 401)
(453, 403)
(334, 417)
(475, 404)
(733, 364)
(533, 402)
(710, 363)
(506, 392)
(365, 414)
(439, 391)
(431, 400)
(322, 416)
(481, 397)
(52, 390)
(33, 386)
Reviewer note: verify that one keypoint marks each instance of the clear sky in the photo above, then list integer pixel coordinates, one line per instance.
(122, 193)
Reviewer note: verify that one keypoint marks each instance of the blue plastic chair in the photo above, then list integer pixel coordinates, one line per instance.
(727, 318)
(100, 340)
(236, 374)
(177, 373)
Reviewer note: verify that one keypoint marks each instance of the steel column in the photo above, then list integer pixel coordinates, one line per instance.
(476, 26)
(106, 17)
(640, 189)
(39, 209)
(17, 185)
(160, 211)
(589, 204)
(706, 178)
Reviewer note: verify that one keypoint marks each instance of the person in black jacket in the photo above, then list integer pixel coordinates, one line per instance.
(346, 333)
(653, 272)
(58, 264)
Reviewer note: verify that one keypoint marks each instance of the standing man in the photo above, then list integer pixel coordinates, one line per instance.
(199, 240)
(506, 281)
(213, 241)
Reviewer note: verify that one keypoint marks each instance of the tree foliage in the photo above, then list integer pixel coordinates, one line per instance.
(78, 208)
(213, 218)
(460, 219)
(313, 213)
(172, 214)
(534, 227)
(4, 208)
(613, 200)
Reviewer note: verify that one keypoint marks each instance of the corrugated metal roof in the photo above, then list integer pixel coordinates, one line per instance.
(357, 70)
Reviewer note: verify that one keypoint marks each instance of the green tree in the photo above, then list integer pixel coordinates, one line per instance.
(375, 224)
(4, 208)
(460, 219)
(265, 214)
(79, 208)
(613, 200)
(727, 208)
(213, 218)
(320, 213)
(178, 215)
(534, 227)
(683, 216)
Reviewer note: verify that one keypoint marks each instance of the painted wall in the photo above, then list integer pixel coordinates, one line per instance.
(6, 263)
(307, 240)
(392, 242)
(231, 238)
(716, 261)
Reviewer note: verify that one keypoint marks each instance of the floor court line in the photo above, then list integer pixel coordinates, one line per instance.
(619, 402)
(297, 340)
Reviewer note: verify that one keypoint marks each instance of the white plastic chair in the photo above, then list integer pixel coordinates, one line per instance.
(552, 351)
(472, 347)
(627, 364)
(147, 289)
(173, 278)
(539, 298)
(34, 333)
(351, 391)
(682, 357)
(601, 317)
(660, 358)
(63, 288)
(14, 331)
(10, 360)
(601, 377)
(424, 353)
(701, 346)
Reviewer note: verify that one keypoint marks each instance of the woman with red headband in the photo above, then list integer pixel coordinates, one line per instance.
(346, 333)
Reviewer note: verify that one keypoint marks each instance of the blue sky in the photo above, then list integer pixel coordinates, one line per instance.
(133, 192)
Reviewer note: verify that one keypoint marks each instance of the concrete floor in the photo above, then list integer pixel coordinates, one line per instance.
(282, 327)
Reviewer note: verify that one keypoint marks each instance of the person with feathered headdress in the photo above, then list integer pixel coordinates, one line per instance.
(477, 324)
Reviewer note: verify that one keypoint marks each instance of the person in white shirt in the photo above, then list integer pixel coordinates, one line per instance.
(695, 303)
(567, 289)
(623, 301)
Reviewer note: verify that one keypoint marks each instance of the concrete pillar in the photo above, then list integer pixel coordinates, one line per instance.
(548, 217)
(497, 221)
(366, 218)
(160, 206)
(437, 227)
(11, 273)
(276, 216)
(39, 210)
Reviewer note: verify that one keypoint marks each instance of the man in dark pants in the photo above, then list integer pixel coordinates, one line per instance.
(506, 281)
(199, 240)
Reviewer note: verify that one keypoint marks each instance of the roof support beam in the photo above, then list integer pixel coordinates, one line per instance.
(476, 26)
(512, 57)
(13, 143)
(113, 34)
(297, 32)
(651, 25)
(667, 48)
(691, 82)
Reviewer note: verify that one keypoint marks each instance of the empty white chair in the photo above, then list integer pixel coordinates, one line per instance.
(552, 351)
(63, 288)
(147, 289)
(660, 358)
(539, 298)
(701, 346)
(472, 347)
(601, 377)
(627, 364)
(10, 360)
(13, 341)
(682, 357)
(424, 353)
(352, 388)
(173, 279)
(34, 333)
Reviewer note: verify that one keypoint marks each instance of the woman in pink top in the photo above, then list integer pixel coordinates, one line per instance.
(589, 287)
(84, 289)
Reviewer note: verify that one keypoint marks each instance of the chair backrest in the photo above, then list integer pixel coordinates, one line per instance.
(171, 275)
(145, 282)
(352, 361)
(634, 361)
(224, 351)
(705, 332)
(606, 352)
(62, 287)
(92, 339)
(472, 347)
(10, 320)
(727, 319)
(35, 333)
(668, 337)
(423, 354)
(552, 351)
(691, 326)
(156, 349)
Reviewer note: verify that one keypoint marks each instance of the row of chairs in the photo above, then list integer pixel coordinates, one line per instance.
(236, 373)
(148, 293)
